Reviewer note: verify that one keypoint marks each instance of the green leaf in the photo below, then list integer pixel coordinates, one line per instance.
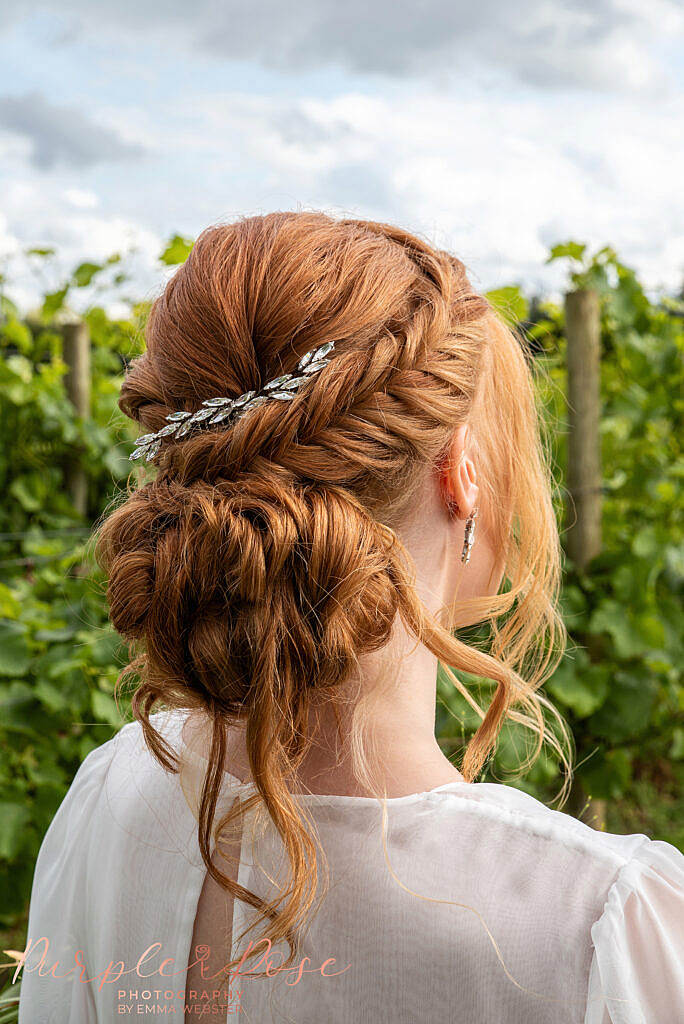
(627, 709)
(7, 307)
(106, 648)
(105, 709)
(18, 708)
(51, 696)
(13, 820)
(606, 776)
(84, 274)
(53, 302)
(650, 629)
(29, 491)
(594, 277)
(510, 303)
(9, 1003)
(646, 543)
(21, 366)
(567, 250)
(56, 633)
(674, 560)
(611, 617)
(581, 687)
(177, 250)
(573, 604)
(677, 745)
(40, 251)
(15, 654)
(10, 605)
(17, 333)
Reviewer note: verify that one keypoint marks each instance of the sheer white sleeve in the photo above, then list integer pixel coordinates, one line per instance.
(637, 971)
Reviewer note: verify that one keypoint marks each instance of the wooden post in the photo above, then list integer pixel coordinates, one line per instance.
(76, 348)
(583, 535)
(583, 332)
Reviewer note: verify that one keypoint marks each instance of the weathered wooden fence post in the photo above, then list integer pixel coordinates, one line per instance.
(583, 332)
(584, 498)
(76, 350)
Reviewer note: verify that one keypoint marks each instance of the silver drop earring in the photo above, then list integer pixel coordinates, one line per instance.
(469, 536)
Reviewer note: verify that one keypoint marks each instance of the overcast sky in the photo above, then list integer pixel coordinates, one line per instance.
(495, 129)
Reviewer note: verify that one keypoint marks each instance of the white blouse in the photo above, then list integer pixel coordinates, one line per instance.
(589, 926)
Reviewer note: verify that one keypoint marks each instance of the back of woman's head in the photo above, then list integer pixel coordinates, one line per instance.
(264, 558)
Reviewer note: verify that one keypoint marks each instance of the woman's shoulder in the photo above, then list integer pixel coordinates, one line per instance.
(518, 813)
(576, 868)
(486, 814)
(122, 827)
(118, 868)
(142, 800)
(122, 798)
(550, 842)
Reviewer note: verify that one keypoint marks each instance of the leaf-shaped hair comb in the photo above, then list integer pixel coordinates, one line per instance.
(227, 410)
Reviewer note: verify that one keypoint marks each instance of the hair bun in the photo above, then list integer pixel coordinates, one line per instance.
(220, 578)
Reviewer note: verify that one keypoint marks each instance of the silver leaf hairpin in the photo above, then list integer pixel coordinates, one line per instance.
(226, 411)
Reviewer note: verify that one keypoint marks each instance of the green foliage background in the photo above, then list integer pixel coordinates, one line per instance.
(620, 684)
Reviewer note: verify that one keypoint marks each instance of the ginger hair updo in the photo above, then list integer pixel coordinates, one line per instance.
(254, 567)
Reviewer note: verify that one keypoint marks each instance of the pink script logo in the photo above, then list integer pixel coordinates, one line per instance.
(146, 966)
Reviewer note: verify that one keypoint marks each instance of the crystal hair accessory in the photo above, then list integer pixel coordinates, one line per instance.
(227, 411)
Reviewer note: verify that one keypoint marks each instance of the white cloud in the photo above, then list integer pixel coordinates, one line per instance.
(496, 182)
(599, 44)
(81, 198)
(496, 179)
(58, 134)
(38, 216)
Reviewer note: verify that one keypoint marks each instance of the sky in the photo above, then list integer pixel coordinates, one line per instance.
(493, 129)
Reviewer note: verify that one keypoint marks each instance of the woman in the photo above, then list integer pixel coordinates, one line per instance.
(349, 466)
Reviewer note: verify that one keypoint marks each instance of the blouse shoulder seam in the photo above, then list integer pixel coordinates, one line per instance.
(545, 828)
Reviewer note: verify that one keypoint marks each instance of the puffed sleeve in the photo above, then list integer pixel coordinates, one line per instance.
(637, 970)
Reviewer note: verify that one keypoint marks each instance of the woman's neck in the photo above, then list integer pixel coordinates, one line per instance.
(400, 724)
(401, 682)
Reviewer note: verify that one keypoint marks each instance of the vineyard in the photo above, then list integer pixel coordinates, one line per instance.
(62, 464)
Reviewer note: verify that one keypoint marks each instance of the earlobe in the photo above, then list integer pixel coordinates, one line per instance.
(446, 489)
(459, 489)
(452, 507)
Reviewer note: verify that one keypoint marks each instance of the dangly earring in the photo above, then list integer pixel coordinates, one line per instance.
(469, 536)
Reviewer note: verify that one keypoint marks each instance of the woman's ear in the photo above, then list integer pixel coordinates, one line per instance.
(459, 477)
